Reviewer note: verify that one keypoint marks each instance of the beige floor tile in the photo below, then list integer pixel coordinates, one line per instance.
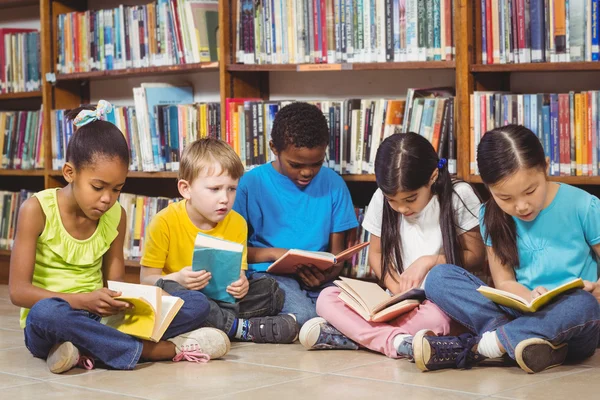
(55, 391)
(593, 361)
(11, 339)
(480, 380)
(185, 380)
(8, 380)
(328, 387)
(4, 292)
(297, 357)
(21, 362)
(582, 385)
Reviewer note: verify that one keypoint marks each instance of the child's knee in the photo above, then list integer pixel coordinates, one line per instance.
(196, 303)
(327, 299)
(435, 319)
(47, 312)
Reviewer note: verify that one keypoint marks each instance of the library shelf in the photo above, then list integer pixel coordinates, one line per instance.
(135, 72)
(395, 66)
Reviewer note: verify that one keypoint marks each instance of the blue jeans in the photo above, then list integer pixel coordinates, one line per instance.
(52, 321)
(299, 299)
(573, 318)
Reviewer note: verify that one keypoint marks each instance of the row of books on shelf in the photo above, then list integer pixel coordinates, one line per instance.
(19, 60)
(163, 32)
(10, 202)
(356, 126)
(358, 265)
(21, 143)
(524, 31)
(343, 31)
(567, 124)
(162, 122)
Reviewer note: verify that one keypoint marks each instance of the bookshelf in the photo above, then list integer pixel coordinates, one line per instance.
(241, 81)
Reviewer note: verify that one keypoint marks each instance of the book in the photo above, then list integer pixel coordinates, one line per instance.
(151, 314)
(517, 302)
(286, 264)
(373, 303)
(223, 259)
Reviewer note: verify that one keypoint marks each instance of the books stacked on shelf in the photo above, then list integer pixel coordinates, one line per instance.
(163, 32)
(140, 211)
(21, 143)
(519, 31)
(19, 60)
(358, 265)
(162, 122)
(343, 31)
(567, 124)
(357, 127)
(10, 203)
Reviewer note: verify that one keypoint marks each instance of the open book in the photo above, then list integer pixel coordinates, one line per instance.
(517, 302)
(223, 259)
(373, 303)
(286, 264)
(152, 312)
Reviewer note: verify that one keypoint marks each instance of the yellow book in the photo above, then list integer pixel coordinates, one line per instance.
(518, 303)
(151, 314)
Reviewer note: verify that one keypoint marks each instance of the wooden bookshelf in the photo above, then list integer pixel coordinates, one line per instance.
(135, 72)
(21, 95)
(536, 67)
(22, 172)
(393, 66)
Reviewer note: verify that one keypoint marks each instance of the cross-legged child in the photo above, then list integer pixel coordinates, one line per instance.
(418, 217)
(295, 202)
(209, 173)
(69, 242)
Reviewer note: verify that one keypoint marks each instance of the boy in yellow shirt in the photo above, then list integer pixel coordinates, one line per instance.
(209, 173)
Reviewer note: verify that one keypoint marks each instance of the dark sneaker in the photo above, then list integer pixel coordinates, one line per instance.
(276, 329)
(318, 334)
(440, 352)
(535, 355)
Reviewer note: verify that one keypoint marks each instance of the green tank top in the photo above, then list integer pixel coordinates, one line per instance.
(67, 265)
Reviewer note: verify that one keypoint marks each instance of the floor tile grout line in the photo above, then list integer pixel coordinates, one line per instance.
(409, 384)
(261, 387)
(20, 385)
(11, 329)
(275, 366)
(541, 381)
(13, 348)
(358, 366)
(98, 390)
(23, 376)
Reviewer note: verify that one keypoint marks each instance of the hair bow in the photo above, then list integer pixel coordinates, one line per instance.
(86, 116)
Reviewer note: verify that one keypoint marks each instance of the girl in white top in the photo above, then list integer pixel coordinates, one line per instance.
(418, 218)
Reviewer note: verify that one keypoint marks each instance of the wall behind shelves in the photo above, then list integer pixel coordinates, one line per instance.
(554, 82)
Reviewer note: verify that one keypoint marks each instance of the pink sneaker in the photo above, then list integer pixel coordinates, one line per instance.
(65, 356)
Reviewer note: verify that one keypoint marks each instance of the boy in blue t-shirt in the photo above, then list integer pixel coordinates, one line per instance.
(295, 203)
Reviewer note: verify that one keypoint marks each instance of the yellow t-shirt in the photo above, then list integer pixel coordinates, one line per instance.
(64, 264)
(171, 234)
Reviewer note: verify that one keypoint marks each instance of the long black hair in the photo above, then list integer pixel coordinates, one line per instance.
(97, 138)
(405, 162)
(500, 154)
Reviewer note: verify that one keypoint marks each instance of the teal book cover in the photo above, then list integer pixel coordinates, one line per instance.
(223, 259)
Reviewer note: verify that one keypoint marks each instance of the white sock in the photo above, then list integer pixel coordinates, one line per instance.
(488, 345)
(398, 340)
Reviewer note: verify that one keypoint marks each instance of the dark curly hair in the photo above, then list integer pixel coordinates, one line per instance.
(98, 138)
(301, 125)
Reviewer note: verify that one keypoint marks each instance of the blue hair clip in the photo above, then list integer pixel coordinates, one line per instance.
(86, 116)
(442, 163)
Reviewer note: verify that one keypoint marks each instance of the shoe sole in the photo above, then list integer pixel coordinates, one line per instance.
(536, 355)
(60, 358)
(421, 349)
(308, 334)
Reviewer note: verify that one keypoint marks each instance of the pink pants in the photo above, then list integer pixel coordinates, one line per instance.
(379, 336)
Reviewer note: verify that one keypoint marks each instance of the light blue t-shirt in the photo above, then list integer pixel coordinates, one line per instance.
(556, 247)
(280, 214)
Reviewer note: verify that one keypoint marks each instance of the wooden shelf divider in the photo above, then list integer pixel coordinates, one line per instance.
(135, 72)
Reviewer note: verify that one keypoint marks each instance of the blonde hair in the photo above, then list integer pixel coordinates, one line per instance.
(203, 154)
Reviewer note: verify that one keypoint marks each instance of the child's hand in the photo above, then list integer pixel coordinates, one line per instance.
(101, 302)
(239, 288)
(593, 288)
(413, 276)
(538, 291)
(193, 280)
(311, 275)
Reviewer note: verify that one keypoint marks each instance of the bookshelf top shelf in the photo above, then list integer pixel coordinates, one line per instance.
(571, 180)
(537, 67)
(17, 3)
(398, 66)
(22, 172)
(129, 72)
(21, 95)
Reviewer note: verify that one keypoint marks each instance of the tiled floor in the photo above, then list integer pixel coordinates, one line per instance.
(279, 372)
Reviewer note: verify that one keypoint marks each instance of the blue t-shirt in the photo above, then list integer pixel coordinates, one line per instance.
(555, 247)
(280, 214)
